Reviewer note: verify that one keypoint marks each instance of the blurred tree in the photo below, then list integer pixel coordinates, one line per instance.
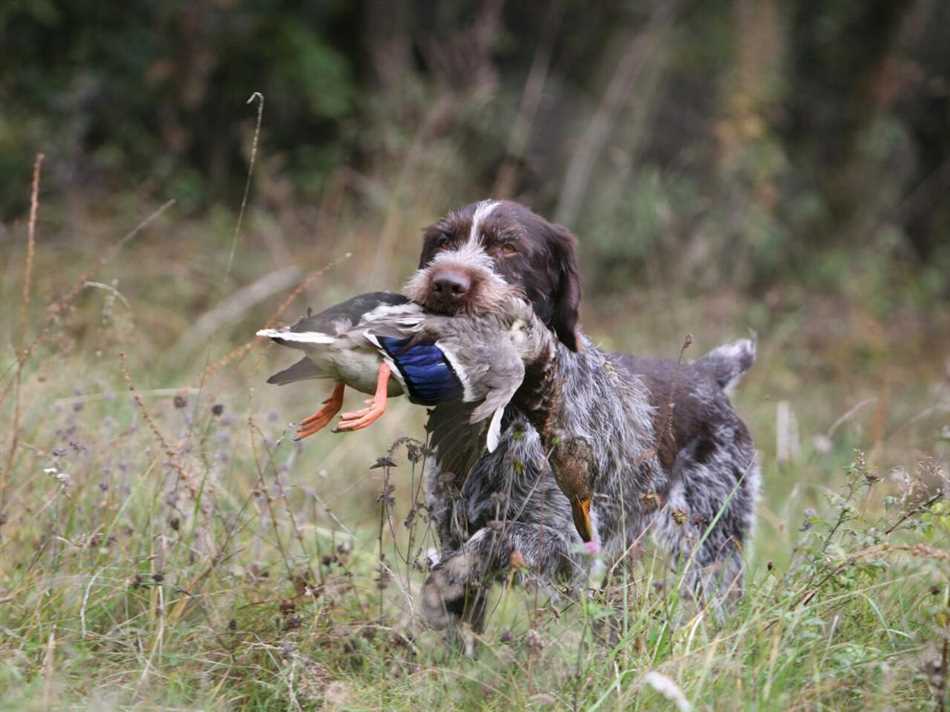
(143, 91)
(837, 50)
(752, 136)
(916, 85)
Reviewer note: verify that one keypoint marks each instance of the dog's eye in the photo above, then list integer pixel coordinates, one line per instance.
(507, 250)
(442, 239)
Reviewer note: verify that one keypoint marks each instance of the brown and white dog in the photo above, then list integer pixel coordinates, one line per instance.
(671, 458)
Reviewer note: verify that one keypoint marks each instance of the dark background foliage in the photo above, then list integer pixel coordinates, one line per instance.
(769, 139)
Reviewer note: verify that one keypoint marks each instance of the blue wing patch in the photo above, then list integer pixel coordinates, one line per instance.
(427, 373)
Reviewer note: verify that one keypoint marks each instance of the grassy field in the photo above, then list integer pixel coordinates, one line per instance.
(164, 543)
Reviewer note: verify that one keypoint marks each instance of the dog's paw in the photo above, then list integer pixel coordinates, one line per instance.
(444, 591)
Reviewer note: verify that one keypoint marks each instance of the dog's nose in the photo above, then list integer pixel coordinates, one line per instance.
(451, 285)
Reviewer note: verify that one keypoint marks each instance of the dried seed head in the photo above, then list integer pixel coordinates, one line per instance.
(414, 451)
(651, 501)
(516, 560)
(534, 641)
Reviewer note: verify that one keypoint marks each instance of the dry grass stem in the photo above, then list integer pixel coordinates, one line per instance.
(184, 477)
(259, 98)
(30, 251)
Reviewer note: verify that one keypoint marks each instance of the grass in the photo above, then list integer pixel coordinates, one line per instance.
(166, 545)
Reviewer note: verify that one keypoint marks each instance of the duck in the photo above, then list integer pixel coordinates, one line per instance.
(385, 345)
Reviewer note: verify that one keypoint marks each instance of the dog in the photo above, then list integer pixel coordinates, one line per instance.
(671, 458)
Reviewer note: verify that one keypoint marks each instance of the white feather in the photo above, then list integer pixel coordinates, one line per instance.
(468, 395)
(397, 374)
(410, 314)
(299, 337)
(494, 430)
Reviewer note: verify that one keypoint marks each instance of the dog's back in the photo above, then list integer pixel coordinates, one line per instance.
(690, 399)
(725, 366)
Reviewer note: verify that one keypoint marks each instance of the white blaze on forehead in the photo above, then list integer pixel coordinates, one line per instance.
(482, 211)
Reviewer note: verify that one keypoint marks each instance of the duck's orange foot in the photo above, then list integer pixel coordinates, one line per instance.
(319, 420)
(359, 419)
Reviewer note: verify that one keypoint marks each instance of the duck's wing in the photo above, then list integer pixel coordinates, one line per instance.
(303, 370)
(330, 324)
(399, 327)
(394, 320)
(492, 371)
(345, 315)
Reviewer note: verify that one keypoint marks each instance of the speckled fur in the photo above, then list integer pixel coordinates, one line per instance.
(509, 508)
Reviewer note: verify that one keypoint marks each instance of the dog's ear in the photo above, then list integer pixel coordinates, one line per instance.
(567, 294)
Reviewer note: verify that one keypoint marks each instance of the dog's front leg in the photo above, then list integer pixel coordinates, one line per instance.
(456, 590)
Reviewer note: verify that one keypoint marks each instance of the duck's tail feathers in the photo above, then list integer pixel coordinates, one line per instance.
(285, 337)
(727, 364)
(300, 371)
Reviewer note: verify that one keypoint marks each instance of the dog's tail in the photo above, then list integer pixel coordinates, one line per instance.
(727, 364)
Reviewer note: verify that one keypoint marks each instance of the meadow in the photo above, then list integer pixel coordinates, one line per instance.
(164, 544)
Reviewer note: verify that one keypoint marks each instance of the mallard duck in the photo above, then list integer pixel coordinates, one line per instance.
(385, 345)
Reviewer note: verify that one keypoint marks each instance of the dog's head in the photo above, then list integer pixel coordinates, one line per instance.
(474, 258)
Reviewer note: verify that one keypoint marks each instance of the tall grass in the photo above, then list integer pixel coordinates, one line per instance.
(165, 544)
